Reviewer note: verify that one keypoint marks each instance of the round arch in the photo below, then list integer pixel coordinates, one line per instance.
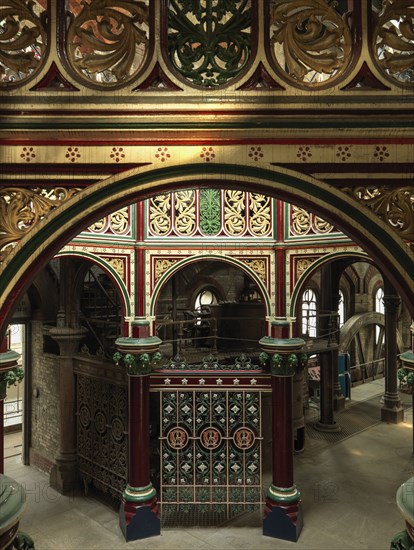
(384, 246)
(226, 259)
(118, 282)
(301, 282)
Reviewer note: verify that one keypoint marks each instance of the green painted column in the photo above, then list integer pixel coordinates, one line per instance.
(138, 515)
(283, 513)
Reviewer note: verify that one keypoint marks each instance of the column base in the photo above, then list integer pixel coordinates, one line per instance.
(392, 414)
(139, 520)
(339, 403)
(283, 519)
(322, 427)
(64, 475)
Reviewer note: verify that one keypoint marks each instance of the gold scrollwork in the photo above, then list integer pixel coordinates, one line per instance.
(301, 221)
(22, 209)
(185, 214)
(258, 266)
(107, 40)
(260, 215)
(234, 212)
(321, 225)
(393, 40)
(302, 265)
(311, 41)
(394, 206)
(99, 226)
(160, 215)
(161, 266)
(118, 264)
(119, 221)
(23, 39)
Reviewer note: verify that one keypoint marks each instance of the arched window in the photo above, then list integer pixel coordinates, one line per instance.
(309, 313)
(206, 297)
(379, 308)
(341, 308)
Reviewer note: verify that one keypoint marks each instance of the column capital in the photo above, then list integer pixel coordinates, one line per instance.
(68, 339)
(138, 354)
(9, 372)
(391, 303)
(283, 355)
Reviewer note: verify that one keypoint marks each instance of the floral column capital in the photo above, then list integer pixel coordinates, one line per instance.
(283, 356)
(138, 354)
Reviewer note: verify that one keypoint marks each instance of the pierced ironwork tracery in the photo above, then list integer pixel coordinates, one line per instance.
(22, 209)
(23, 39)
(394, 206)
(107, 41)
(393, 40)
(210, 449)
(311, 41)
(209, 42)
(102, 433)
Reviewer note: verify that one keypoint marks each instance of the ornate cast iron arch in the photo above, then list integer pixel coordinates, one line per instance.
(108, 268)
(175, 268)
(324, 259)
(385, 247)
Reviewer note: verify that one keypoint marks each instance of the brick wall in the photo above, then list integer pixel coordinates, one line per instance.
(45, 416)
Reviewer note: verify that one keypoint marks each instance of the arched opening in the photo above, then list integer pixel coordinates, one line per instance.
(210, 306)
(338, 208)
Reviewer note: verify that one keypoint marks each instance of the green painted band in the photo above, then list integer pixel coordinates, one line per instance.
(283, 495)
(139, 494)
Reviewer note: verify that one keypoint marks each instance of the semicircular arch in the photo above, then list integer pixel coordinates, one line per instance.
(304, 277)
(385, 247)
(216, 257)
(111, 272)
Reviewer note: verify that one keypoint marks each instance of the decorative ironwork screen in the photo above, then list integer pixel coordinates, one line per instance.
(102, 433)
(210, 454)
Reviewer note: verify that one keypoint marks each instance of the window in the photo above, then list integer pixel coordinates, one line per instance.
(205, 298)
(309, 313)
(379, 308)
(341, 308)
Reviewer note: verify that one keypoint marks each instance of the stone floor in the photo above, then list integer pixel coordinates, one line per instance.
(348, 489)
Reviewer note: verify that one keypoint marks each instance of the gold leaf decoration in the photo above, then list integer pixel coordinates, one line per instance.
(260, 215)
(185, 213)
(301, 221)
(311, 41)
(234, 213)
(107, 40)
(162, 265)
(22, 209)
(258, 266)
(302, 265)
(119, 221)
(321, 225)
(160, 215)
(23, 39)
(98, 226)
(118, 264)
(394, 206)
(393, 40)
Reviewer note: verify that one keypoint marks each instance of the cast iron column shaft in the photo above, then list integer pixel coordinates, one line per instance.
(282, 450)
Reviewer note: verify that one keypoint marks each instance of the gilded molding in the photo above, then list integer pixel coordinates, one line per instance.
(311, 40)
(393, 40)
(394, 206)
(23, 40)
(107, 41)
(21, 210)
